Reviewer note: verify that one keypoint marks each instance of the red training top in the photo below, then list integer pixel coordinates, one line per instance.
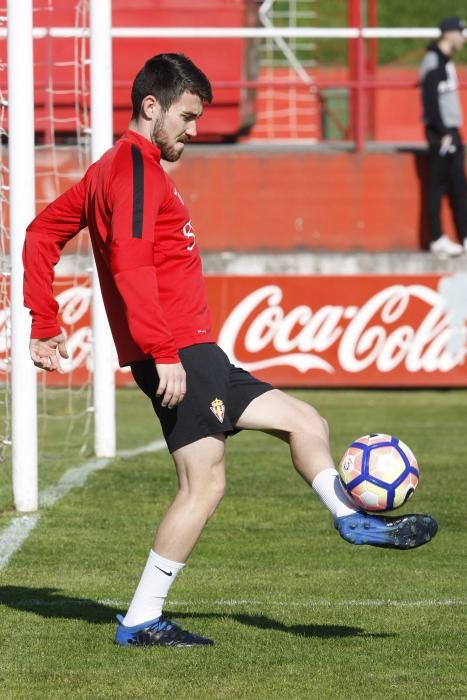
(149, 266)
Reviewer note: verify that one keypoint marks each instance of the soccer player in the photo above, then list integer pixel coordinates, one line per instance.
(150, 274)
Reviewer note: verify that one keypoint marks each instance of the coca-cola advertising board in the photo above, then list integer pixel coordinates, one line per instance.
(361, 331)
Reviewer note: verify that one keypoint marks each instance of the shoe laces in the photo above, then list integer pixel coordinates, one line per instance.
(164, 624)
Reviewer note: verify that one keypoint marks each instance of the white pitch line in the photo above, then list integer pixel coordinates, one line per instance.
(156, 446)
(13, 536)
(322, 603)
(19, 529)
(74, 477)
(263, 604)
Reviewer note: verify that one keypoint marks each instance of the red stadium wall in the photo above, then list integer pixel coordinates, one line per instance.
(270, 198)
(291, 198)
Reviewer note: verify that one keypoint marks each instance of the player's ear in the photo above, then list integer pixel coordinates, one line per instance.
(150, 107)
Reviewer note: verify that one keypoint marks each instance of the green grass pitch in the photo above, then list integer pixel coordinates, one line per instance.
(295, 611)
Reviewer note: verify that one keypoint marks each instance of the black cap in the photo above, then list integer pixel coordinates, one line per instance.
(452, 24)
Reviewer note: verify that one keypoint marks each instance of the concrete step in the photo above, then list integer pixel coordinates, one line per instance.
(308, 263)
(305, 263)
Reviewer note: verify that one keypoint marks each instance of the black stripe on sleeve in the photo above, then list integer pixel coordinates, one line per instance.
(138, 191)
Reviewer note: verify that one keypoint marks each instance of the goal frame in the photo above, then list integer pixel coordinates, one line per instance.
(22, 210)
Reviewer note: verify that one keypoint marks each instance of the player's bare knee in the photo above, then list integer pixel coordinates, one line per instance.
(308, 420)
(210, 497)
(217, 489)
(203, 500)
(217, 496)
(209, 491)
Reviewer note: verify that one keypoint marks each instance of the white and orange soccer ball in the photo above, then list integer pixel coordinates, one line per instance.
(379, 472)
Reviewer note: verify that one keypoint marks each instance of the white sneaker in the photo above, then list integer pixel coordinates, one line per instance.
(446, 248)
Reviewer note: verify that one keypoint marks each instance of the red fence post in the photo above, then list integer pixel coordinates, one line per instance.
(371, 67)
(357, 75)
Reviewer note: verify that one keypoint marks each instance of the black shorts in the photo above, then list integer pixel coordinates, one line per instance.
(217, 394)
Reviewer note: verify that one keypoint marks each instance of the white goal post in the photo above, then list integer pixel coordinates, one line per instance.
(101, 141)
(22, 209)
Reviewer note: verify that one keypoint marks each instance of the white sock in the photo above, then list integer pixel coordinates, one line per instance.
(328, 487)
(158, 575)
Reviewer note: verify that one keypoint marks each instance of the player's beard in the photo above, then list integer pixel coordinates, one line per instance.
(166, 145)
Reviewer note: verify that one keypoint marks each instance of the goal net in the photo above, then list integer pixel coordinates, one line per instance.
(62, 153)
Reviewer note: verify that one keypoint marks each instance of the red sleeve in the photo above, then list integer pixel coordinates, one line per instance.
(45, 238)
(137, 190)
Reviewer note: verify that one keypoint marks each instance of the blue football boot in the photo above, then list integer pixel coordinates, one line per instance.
(403, 532)
(159, 632)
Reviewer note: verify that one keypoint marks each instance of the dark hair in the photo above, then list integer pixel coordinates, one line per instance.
(167, 76)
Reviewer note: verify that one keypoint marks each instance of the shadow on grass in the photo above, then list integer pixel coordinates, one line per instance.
(50, 602)
(267, 623)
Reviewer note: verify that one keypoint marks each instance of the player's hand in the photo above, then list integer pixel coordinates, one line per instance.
(172, 384)
(46, 352)
(446, 143)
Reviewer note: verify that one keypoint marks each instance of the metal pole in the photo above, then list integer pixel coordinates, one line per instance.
(22, 211)
(101, 140)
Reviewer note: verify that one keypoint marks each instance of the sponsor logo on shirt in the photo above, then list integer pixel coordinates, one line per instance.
(189, 232)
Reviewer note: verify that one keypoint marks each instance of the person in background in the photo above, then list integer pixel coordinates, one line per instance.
(442, 116)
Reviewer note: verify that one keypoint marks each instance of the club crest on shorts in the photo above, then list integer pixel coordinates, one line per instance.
(218, 408)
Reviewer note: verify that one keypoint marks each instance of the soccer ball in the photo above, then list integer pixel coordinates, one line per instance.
(379, 472)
